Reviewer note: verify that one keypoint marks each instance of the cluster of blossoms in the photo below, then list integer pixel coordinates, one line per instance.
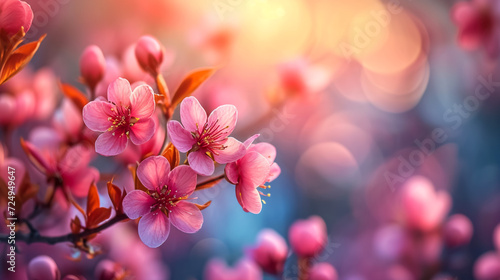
(308, 239)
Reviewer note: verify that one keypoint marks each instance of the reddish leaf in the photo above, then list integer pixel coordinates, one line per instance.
(75, 95)
(33, 156)
(164, 95)
(190, 83)
(98, 216)
(92, 199)
(203, 206)
(18, 59)
(75, 225)
(115, 194)
(208, 184)
(137, 183)
(172, 155)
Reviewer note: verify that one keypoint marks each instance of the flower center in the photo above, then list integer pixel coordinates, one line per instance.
(211, 138)
(121, 121)
(165, 199)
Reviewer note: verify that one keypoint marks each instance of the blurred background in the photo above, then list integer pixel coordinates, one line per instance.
(362, 100)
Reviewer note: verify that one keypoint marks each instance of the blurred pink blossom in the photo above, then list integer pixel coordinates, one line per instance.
(43, 268)
(487, 267)
(245, 269)
(323, 271)
(149, 53)
(308, 237)
(457, 230)
(270, 252)
(92, 66)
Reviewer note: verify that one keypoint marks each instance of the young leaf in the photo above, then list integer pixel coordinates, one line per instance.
(92, 199)
(76, 96)
(172, 155)
(98, 216)
(75, 225)
(137, 183)
(18, 59)
(190, 83)
(203, 206)
(115, 194)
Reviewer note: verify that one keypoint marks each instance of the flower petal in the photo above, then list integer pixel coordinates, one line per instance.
(234, 150)
(153, 172)
(182, 180)
(232, 172)
(193, 116)
(142, 102)
(254, 169)
(249, 199)
(274, 172)
(96, 114)
(186, 217)
(224, 116)
(142, 131)
(201, 163)
(137, 204)
(250, 140)
(180, 137)
(119, 92)
(265, 149)
(108, 144)
(79, 181)
(154, 228)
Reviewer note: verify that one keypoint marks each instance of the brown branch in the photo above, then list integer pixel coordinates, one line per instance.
(34, 237)
(209, 183)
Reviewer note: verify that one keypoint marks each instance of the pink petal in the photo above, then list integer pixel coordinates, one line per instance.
(186, 217)
(96, 114)
(108, 144)
(265, 149)
(142, 131)
(471, 25)
(40, 161)
(254, 169)
(250, 140)
(13, 16)
(249, 199)
(154, 228)
(201, 163)
(224, 116)
(323, 271)
(274, 172)
(137, 204)
(193, 116)
(232, 172)
(119, 92)
(79, 181)
(180, 137)
(182, 180)
(28, 16)
(234, 150)
(142, 102)
(153, 172)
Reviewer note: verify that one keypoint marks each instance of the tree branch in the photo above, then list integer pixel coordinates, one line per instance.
(70, 237)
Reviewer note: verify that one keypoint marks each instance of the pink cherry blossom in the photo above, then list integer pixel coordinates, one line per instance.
(323, 271)
(250, 172)
(92, 66)
(206, 140)
(477, 25)
(149, 54)
(457, 230)
(164, 202)
(43, 268)
(423, 208)
(15, 14)
(125, 115)
(308, 237)
(487, 267)
(270, 252)
(245, 269)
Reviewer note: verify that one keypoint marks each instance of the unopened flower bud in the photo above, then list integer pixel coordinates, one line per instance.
(92, 66)
(308, 237)
(149, 54)
(43, 268)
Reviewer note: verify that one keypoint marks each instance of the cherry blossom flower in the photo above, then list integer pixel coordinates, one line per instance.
(15, 14)
(149, 53)
(477, 25)
(323, 271)
(206, 140)
(487, 267)
(245, 269)
(164, 202)
(308, 237)
(126, 115)
(270, 253)
(457, 230)
(250, 172)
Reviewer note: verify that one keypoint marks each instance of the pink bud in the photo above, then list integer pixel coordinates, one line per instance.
(487, 267)
(245, 269)
(15, 14)
(457, 230)
(149, 54)
(92, 66)
(43, 268)
(271, 252)
(496, 237)
(323, 271)
(106, 270)
(308, 237)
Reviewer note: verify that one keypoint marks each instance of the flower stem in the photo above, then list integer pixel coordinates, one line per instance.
(304, 266)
